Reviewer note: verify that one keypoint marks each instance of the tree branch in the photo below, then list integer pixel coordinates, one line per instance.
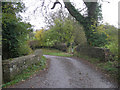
(74, 12)
(57, 2)
(91, 6)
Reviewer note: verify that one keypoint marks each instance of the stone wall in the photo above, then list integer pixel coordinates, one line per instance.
(95, 52)
(13, 67)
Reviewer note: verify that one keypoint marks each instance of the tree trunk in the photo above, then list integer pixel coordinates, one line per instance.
(85, 21)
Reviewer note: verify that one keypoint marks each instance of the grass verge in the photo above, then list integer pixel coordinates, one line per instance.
(55, 52)
(27, 73)
(108, 67)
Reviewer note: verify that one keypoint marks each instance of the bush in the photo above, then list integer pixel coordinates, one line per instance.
(61, 47)
(14, 32)
(24, 49)
(114, 49)
(34, 44)
(112, 39)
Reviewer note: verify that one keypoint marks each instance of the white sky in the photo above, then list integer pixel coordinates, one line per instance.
(109, 12)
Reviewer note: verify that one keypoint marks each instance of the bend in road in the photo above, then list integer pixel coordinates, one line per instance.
(67, 72)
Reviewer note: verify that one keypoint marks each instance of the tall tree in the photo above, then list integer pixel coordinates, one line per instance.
(14, 32)
(93, 14)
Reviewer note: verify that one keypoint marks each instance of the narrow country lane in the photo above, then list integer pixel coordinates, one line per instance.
(67, 72)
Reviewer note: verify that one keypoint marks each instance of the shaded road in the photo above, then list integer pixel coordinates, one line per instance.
(67, 72)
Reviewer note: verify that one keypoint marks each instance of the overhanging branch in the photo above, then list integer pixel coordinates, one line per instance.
(57, 2)
(74, 12)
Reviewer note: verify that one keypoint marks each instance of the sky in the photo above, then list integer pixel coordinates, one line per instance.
(109, 12)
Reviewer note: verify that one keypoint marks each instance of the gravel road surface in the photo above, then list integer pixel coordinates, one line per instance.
(65, 72)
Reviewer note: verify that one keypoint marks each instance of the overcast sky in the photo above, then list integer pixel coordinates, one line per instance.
(109, 12)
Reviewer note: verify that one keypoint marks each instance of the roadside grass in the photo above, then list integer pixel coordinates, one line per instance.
(55, 52)
(108, 67)
(92, 60)
(27, 73)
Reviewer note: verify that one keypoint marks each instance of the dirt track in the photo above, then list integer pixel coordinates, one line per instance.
(67, 72)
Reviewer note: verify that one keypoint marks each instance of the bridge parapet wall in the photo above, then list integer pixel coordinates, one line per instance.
(95, 52)
(14, 67)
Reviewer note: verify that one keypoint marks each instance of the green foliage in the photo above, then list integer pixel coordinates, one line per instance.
(98, 40)
(79, 34)
(14, 32)
(109, 66)
(113, 46)
(61, 46)
(33, 44)
(112, 34)
(61, 32)
(93, 18)
(98, 36)
(40, 37)
(24, 48)
(105, 36)
(39, 34)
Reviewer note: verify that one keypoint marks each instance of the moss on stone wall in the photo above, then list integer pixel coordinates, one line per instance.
(13, 67)
(95, 52)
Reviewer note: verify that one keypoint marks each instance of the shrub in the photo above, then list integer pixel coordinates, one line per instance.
(14, 32)
(34, 44)
(24, 49)
(61, 46)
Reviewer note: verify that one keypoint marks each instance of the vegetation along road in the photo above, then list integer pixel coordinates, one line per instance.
(66, 72)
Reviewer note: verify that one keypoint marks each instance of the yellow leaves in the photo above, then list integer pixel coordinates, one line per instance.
(101, 30)
(94, 32)
(39, 34)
